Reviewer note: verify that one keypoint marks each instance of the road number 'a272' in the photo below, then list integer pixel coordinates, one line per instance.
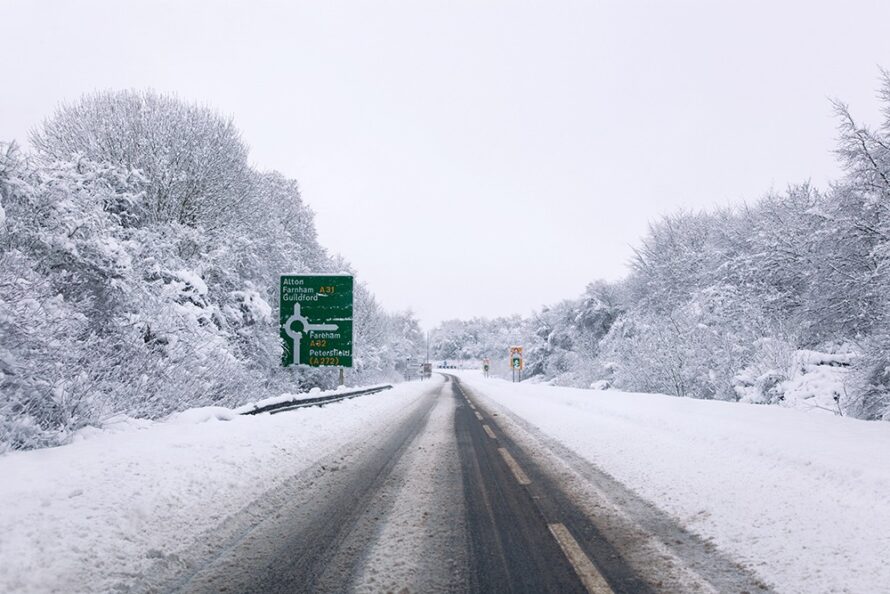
(324, 360)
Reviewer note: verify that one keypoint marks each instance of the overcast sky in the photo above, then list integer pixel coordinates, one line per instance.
(481, 158)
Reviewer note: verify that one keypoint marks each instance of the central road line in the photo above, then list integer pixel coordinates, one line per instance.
(590, 576)
(511, 546)
(520, 475)
(478, 416)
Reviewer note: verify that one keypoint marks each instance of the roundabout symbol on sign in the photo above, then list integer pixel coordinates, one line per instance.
(297, 316)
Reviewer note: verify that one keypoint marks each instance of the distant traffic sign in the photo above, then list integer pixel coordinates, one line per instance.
(516, 357)
(316, 319)
(516, 363)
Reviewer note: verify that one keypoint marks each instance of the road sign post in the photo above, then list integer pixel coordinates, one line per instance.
(516, 362)
(316, 319)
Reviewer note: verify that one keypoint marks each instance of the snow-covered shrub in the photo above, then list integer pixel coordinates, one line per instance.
(762, 379)
(817, 380)
(869, 394)
(44, 342)
(648, 360)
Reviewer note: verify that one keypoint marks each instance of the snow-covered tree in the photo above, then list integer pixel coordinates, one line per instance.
(139, 265)
(194, 159)
(733, 304)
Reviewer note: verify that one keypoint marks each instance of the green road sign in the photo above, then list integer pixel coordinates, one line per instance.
(316, 319)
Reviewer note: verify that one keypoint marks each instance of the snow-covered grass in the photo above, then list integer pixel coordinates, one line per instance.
(801, 499)
(98, 513)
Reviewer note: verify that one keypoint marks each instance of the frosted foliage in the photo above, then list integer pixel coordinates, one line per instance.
(194, 159)
(783, 302)
(139, 263)
(475, 339)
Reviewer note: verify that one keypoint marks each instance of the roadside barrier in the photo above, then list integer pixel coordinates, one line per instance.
(318, 401)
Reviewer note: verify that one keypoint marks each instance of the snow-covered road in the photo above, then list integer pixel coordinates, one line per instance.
(385, 514)
(457, 484)
(134, 508)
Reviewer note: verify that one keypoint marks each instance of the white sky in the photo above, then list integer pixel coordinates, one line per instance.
(481, 158)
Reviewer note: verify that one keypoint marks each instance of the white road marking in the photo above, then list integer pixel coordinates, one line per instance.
(520, 475)
(691, 579)
(590, 576)
(478, 416)
(489, 431)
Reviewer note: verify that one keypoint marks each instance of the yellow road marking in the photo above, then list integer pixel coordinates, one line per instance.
(520, 475)
(590, 576)
(489, 431)
(478, 416)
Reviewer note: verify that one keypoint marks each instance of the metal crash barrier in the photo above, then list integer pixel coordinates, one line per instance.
(318, 401)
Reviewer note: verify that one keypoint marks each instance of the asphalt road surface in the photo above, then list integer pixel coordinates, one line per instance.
(457, 497)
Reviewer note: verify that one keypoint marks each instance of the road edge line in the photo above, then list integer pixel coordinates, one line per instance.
(590, 576)
(518, 473)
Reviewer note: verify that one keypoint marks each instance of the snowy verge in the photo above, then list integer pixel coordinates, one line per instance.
(801, 499)
(95, 515)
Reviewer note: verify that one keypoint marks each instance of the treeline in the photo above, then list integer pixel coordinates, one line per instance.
(139, 258)
(721, 304)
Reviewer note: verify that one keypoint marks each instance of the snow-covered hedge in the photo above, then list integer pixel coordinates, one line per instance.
(734, 304)
(139, 259)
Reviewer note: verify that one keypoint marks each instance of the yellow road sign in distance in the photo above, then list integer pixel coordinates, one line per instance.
(516, 361)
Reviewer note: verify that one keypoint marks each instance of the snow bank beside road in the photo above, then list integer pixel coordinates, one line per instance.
(801, 499)
(97, 514)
